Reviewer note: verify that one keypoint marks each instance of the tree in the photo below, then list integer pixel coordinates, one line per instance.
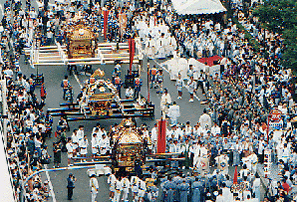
(280, 16)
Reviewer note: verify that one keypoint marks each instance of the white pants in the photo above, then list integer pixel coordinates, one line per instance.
(117, 196)
(135, 196)
(125, 194)
(141, 194)
(94, 194)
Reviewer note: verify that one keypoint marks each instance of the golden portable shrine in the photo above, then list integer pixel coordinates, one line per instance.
(81, 42)
(98, 96)
(100, 100)
(129, 147)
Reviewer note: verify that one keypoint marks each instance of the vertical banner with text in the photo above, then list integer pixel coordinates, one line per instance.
(105, 16)
(161, 136)
(131, 52)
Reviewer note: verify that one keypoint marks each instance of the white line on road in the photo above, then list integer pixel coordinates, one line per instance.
(76, 78)
(2, 11)
(50, 185)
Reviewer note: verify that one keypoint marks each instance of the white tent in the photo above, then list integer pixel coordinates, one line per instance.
(192, 7)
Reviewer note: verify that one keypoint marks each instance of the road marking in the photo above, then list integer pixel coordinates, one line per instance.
(50, 185)
(161, 66)
(76, 78)
(1, 9)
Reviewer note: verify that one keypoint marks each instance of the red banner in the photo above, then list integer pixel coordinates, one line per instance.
(235, 176)
(161, 136)
(105, 16)
(131, 52)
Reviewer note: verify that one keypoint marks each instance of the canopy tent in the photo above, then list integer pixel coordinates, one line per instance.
(192, 7)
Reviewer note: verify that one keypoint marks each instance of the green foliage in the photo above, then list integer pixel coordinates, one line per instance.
(277, 15)
(280, 16)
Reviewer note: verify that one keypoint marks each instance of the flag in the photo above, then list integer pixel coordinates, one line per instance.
(105, 15)
(235, 176)
(148, 83)
(131, 52)
(161, 136)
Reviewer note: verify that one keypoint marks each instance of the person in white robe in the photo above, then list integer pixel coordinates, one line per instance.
(142, 189)
(111, 182)
(205, 119)
(172, 67)
(256, 189)
(174, 113)
(171, 46)
(95, 144)
(183, 68)
(254, 161)
(104, 145)
(150, 49)
(126, 186)
(94, 187)
(161, 43)
(134, 187)
(83, 145)
(118, 186)
(165, 102)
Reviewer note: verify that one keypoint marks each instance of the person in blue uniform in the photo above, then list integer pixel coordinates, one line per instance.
(70, 185)
(183, 189)
(196, 190)
(170, 188)
(160, 80)
(137, 87)
(153, 73)
(65, 85)
(179, 86)
(118, 83)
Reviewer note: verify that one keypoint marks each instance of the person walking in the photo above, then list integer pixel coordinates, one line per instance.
(191, 88)
(179, 86)
(94, 187)
(159, 81)
(70, 185)
(65, 85)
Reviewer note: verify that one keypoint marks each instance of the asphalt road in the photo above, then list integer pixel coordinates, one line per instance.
(53, 77)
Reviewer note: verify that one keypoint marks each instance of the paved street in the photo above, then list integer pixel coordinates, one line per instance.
(53, 78)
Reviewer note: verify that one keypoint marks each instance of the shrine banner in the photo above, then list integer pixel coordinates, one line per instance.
(122, 22)
(276, 121)
(131, 52)
(105, 16)
(161, 136)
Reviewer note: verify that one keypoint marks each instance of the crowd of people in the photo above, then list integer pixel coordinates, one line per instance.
(232, 131)
(28, 126)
